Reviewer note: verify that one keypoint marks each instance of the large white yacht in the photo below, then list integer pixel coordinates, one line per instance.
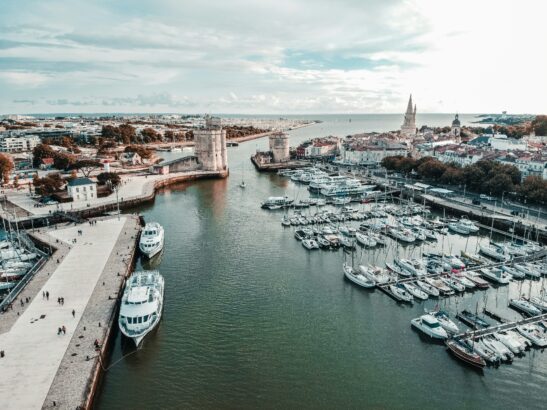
(151, 242)
(142, 305)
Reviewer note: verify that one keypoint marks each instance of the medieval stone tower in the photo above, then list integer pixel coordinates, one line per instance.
(408, 129)
(279, 146)
(210, 146)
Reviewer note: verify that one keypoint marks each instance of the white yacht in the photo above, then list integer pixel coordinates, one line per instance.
(415, 291)
(458, 228)
(427, 288)
(430, 326)
(494, 252)
(534, 334)
(357, 277)
(142, 305)
(524, 306)
(496, 275)
(151, 242)
(276, 202)
(469, 225)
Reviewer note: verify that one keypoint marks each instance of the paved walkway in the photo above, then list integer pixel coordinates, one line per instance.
(33, 349)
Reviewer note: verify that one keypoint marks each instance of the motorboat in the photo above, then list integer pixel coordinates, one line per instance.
(472, 320)
(454, 284)
(499, 348)
(427, 288)
(286, 221)
(539, 302)
(479, 282)
(151, 241)
(429, 325)
(403, 235)
(276, 202)
(510, 342)
(469, 225)
(514, 272)
(323, 242)
(375, 273)
(445, 321)
(141, 305)
(400, 293)
(463, 352)
(458, 228)
(524, 306)
(415, 291)
(347, 242)
(494, 252)
(487, 353)
(528, 270)
(357, 277)
(440, 285)
(463, 280)
(396, 269)
(413, 266)
(496, 275)
(534, 334)
(365, 240)
(300, 235)
(310, 244)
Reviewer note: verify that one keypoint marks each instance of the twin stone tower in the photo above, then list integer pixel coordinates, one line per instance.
(210, 146)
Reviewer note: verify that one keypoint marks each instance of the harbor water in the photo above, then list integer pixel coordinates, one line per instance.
(254, 320)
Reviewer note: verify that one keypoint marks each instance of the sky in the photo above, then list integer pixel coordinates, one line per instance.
(273, 56)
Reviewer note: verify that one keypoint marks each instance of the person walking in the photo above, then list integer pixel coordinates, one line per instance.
(64, 329)
(43, 295)
(58, 301)
(73, 313)
(47, 295)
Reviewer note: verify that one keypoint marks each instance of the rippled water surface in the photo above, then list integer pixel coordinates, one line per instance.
(253, 320)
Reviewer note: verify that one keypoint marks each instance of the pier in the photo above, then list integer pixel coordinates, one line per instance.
(499, 328)
(45, 369)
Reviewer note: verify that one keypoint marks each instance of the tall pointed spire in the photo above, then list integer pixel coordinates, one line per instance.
(409, 124)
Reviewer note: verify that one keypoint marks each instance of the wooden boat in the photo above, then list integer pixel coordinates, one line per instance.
(465, 354)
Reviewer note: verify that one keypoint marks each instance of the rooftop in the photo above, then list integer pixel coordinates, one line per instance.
(80, 181)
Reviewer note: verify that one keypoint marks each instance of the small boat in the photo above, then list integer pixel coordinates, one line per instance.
(494, 252)
(463, 280)
(375, 273)
(527, 270)
(396, 269)
(365, 240)
(472, 320)
(534, 334)
(454, 284)
(323, 242)
(496, 275)
(440, 285)
(458, 228)
(4, 285)
(515, 273)
(524, 306)
(242, 184)
(142, 305)
(487, 353)
(445, 321)
(357, 277)
(300, 235)
(479, 282)
(540, 303)
(427, 288)
(400, 293)
(310, 244)
(467, 224)
(151, 241)
(463, 352)
(499, 348)
(415, 291)
(286, 221)
(429, 325)
(346, 242)
(511, 343)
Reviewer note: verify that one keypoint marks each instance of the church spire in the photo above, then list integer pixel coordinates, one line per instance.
(409, 124)
(409, 107)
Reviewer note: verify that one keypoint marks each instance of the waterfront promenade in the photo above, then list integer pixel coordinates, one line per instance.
(38, 361)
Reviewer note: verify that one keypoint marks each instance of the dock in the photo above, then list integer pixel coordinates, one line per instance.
(44, 369)
(499, 328)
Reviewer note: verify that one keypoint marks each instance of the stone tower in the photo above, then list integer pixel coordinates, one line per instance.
(210, 145)
(279, 146)
(408, 129)
(455, 130)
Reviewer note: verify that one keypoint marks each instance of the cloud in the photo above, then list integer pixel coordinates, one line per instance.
(272, 55)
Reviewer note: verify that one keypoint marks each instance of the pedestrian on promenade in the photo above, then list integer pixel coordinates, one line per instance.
(22, 303)
(62, 301)
(47, 295)
(64, 330)
(43, 295)
(73, 313)
(58, 301)
(59, 331)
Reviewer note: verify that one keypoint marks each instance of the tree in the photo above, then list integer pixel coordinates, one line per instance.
(534, 188)
(432, 169)
(49, 184)
(127, 133)
(539, 125)
(142, 151)
(150, 135)
(6, 166)
(62, 161)
(86, 166)
(169, 135)
(40, 152)
(108, 178)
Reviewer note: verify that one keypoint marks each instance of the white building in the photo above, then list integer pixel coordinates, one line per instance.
(82, 189)
(461, 158)
(502, 143)
(371, 154)
(19, 143)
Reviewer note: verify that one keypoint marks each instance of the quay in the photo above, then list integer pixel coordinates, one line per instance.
(276, 166)
(499, 328)
(45, 369)
(19, 208)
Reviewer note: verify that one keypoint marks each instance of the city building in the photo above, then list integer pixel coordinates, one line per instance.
(408, 129)
(456, 129)
(371, 152)
(19, 143)
(82, 189)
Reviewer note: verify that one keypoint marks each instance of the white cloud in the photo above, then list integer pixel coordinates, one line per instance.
(275, 56)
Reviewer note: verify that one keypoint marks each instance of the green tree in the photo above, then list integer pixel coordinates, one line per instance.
(40, 152)
(104, 177)
(143, 152)
(86, 166)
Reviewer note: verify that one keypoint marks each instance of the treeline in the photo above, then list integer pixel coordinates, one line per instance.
(236, 131)
(483, 176)
(127, 134)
